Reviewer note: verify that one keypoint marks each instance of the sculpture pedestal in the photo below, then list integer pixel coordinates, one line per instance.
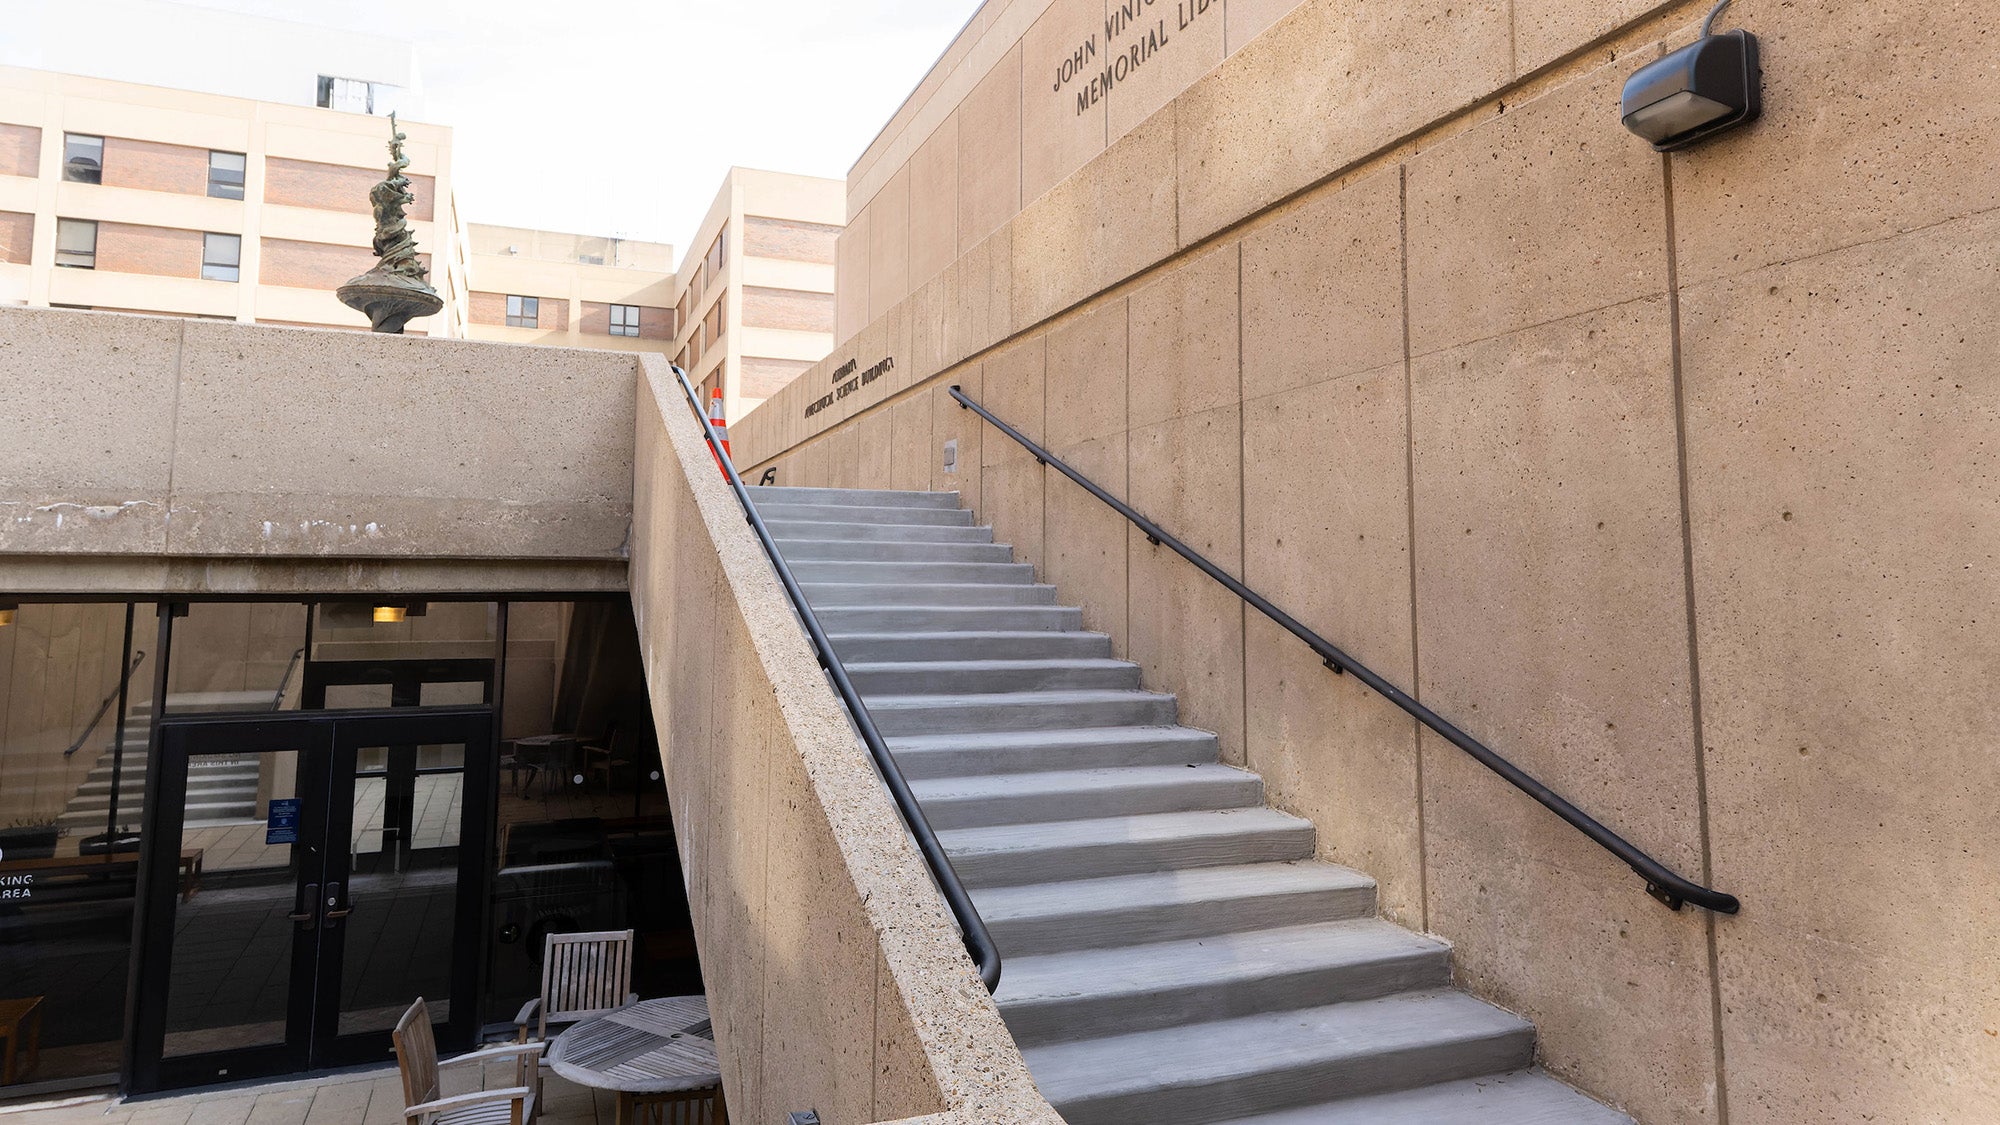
(389, 300)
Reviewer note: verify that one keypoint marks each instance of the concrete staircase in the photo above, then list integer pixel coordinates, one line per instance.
(1173, 950)
(220, 790)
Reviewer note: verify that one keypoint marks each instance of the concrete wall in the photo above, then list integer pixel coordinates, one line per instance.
(57, 664)
(1668, 477)
(149, 453)
(834, 975)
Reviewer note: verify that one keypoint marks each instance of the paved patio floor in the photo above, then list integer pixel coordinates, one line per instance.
(368, 1098)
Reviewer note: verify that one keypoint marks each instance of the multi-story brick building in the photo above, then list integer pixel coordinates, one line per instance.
(754, 295)
(542, 287)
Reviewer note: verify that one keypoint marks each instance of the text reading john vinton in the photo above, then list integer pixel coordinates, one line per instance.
(1133, 34)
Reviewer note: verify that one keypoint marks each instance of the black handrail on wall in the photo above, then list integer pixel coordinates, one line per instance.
(978, 942)
(106, 705)
(1662, 883)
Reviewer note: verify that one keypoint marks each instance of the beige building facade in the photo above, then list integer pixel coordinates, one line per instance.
(1661, 474)
(545, 287)
(754, 294)
(135, 198)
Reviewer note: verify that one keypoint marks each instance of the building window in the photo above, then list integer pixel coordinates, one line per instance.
(353, 95)
(225, 175)
(83, 159)
(76, 243)
(523, 312)
(624, 320)
(221, 256)
(718, 254)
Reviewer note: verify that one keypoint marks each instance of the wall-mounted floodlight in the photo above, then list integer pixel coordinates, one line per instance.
(1698, 91)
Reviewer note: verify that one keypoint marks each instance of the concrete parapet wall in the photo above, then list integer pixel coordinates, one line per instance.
(174, 446)
(1669, 477)
(835, 976)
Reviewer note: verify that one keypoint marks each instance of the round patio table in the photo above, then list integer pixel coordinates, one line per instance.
(647, 1052)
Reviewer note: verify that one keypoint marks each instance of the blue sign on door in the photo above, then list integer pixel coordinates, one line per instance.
(282, 826)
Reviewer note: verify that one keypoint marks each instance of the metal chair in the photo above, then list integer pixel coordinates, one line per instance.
(583, 975)
(416, 1057)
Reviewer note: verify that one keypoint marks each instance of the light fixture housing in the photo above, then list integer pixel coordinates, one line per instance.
(1696, 92)
(390, 614)
(7, 615)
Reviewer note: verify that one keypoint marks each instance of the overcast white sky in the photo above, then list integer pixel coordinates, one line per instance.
(621, 116)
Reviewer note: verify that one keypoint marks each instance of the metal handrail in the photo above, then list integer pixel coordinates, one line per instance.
(1661, 882)
(106, 705)
(278, 700)
(978, 942)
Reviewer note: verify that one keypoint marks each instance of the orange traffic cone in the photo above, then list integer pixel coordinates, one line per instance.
(721, 425)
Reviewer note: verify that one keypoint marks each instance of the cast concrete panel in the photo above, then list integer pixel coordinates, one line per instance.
(1057, 134)
(989, 152)
(1187, 631)
(1837, 160)
(1332, 83)
(1501, 239)
(1102, 225)
(850, 298)
(88, 457)
(1547, 30)
(1552, 625)
(1185, 338)
(1326, 537)
(1086, 376)
(1086, 548)
(933, 175)
(843, 458)
(1323, 287)
(980, 296)
(1014, 393)
(910, 461)
(1176, 47)
(1841, 417)
(889, 245)
(952, 422)
(1245, 20)
(877, 436)
(1011, 501)
(397, 446)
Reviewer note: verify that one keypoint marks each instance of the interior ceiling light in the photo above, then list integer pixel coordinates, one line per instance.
(390, 614)
(6, 615)
(1698, 91)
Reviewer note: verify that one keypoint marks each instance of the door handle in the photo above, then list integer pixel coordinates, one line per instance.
(335, 910)
(308, 918)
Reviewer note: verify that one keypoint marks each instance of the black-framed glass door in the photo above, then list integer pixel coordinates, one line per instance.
(294, 941)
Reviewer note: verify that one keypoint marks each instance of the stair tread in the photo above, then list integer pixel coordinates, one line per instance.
(1201, 1054)
(1117, 892)
(1517, 1097)
(1009, 739)
(1143, 828)
(799, 494)
(1020, 698)
(1050, 663)
(1107, 780)
(1088, 974)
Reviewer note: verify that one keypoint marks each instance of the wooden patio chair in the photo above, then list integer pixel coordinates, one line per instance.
(583, 975)
(416, 1057)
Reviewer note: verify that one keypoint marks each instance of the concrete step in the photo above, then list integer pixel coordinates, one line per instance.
(887, 595)
(971, 644)
(1010, 574)
(1012, 855)
(1517, 1097)
(1217, 1070)
(982, 677)
(877, 532)
(874, 514)
(806, 547)
(1025, 710)
(877, 498)
(1169, 906)
(1067, 996)
(1004, 753)
(944, 618)
(1078, 794)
